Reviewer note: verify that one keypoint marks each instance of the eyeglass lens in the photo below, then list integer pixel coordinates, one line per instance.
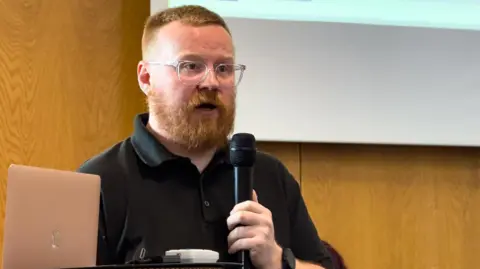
(195, 72)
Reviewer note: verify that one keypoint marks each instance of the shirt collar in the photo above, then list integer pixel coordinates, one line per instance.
(153, 153)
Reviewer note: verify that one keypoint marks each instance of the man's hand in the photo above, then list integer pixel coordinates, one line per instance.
(251, 228)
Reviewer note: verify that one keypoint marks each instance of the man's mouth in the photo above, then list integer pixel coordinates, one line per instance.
(206, 106)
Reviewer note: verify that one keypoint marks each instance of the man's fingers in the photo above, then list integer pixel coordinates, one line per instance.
(255, 197)
(240, 232)
(244, 244)
(246, 218)
(251, 206)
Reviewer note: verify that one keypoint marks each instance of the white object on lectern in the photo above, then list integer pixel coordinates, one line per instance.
(194, 255)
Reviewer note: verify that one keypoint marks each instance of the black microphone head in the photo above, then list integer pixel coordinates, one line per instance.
(243, 150)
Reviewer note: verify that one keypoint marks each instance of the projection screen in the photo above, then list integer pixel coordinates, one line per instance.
(378, 72)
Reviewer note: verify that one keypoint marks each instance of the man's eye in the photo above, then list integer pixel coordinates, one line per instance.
(191, 66)
(225, 69)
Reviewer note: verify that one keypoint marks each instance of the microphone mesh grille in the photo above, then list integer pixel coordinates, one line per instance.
(243, 149)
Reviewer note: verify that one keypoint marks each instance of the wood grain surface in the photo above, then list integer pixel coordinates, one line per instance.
(67, 80)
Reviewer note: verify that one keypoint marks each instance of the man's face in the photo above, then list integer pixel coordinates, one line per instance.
(197, 115)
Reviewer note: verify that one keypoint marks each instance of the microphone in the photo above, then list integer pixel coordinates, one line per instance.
(242, 156)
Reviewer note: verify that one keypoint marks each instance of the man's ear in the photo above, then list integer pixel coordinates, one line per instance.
(143, 77)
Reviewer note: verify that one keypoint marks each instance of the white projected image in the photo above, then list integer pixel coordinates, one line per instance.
(454, 14)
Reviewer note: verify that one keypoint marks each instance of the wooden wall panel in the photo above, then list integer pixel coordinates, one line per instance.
(67, 80)
(396, 207)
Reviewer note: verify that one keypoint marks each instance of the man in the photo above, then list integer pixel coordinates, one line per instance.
(170, 185)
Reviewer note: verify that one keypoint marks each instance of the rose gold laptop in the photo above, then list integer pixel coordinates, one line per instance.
(51, 219)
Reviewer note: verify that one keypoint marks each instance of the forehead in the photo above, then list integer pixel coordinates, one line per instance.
(177, 39)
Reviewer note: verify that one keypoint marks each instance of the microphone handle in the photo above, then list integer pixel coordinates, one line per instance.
(243, 192)
(244, 259)
(243, 184)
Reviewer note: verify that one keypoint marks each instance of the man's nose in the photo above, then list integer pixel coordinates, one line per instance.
(210, 81)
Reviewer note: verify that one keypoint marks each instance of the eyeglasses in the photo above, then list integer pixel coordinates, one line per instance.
(195, 72)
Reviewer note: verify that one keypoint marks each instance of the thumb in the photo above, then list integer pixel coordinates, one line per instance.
(254, 196)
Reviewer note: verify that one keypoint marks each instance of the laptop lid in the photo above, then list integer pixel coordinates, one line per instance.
(51, 218)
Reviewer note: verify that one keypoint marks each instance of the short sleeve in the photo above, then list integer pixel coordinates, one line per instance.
(305, 241)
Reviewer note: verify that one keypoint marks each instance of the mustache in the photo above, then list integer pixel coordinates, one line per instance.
(205, 97)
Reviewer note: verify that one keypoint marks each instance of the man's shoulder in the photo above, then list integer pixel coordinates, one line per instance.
(107, 161)
(266, 160)
(267, 163)
(276, 187)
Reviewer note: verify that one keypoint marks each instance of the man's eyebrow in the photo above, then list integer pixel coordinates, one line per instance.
(190, 56)
(225, 59)
(196, 57)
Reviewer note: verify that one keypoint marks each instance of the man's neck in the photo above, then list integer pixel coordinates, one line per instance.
(200, 158)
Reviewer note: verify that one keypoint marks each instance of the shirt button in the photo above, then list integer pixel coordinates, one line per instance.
(206, 203)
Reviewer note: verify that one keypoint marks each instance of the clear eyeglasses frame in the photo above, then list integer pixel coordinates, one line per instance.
(195, 72)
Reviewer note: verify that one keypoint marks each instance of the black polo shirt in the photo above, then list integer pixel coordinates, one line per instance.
(154, 201)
